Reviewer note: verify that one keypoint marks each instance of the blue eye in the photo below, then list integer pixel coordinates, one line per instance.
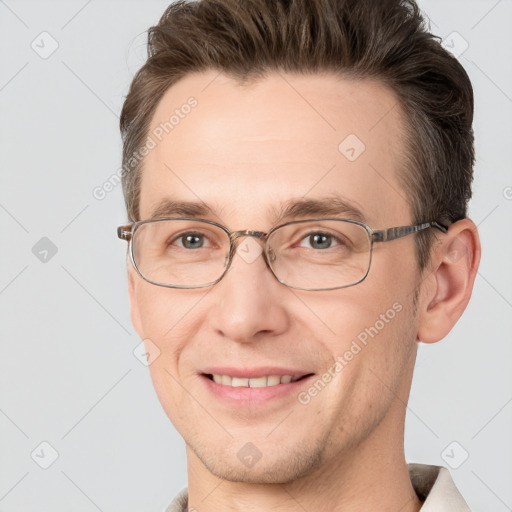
(191, 240)
(319, 240)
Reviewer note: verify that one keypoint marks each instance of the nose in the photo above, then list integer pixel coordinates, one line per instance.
(249, 301)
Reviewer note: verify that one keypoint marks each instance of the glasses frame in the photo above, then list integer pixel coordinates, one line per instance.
(126, 232)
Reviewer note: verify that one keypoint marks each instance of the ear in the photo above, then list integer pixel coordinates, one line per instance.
(134, 305)
(450, 283)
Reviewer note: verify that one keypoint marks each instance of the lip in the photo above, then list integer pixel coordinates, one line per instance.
(247, 396)
(254, 373)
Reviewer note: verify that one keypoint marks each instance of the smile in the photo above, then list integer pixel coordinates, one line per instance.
(257, 382)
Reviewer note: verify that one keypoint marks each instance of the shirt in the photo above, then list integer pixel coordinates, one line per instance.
(433, 485)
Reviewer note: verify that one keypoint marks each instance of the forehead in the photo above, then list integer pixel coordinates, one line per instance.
(246, 150)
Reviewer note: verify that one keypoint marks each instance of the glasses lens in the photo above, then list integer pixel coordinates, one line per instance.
(180, 252)
(320, 254)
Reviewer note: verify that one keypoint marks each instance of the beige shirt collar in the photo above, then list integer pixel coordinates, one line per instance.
(433, 484)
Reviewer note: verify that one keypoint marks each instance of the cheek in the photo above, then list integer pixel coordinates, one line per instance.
(372, 324)
(366, 311)
(155, 311)
(163, 311)
(374, 350)
(169, 320)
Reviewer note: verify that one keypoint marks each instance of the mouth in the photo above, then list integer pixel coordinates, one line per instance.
(254, 382)
(257, 387)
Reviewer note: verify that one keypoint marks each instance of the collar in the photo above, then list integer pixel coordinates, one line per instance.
(435, 487)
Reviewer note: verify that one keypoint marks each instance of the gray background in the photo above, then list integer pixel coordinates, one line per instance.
(68, 375)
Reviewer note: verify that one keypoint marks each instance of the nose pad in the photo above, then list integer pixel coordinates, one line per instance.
(271, 255)
(229, 255)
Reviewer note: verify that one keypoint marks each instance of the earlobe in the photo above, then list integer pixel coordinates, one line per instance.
(134, 306)
(456, 261)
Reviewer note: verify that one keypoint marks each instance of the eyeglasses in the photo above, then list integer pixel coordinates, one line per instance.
(312, 254)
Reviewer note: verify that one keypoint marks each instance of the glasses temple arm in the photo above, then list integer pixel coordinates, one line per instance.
(385, 235)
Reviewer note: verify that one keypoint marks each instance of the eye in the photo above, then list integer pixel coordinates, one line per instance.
(319, 240)
(190, 240)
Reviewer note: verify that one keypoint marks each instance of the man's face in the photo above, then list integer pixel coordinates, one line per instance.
(246, 151)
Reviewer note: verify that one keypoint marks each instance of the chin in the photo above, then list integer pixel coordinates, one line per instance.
(278, 467)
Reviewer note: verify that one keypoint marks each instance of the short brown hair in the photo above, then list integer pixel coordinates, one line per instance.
(386, 40)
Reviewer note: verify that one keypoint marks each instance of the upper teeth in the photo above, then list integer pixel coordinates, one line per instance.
(258, 382)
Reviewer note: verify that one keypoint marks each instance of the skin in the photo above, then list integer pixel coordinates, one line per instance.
(244, 150)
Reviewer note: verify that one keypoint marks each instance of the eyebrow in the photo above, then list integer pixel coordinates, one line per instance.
(171, 208)
(332, 205)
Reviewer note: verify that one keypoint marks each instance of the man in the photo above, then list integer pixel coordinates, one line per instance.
(297, 179)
